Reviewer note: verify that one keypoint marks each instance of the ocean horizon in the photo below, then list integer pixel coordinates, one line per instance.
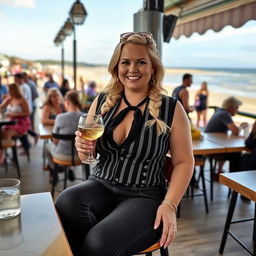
(232, 81)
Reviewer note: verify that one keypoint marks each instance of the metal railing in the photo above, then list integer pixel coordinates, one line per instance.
(241, 113)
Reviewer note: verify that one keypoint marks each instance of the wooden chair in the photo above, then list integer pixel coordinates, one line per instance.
(67, 163)
(5, 144)
(168, 168)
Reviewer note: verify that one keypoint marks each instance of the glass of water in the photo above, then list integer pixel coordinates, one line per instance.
(9, 198)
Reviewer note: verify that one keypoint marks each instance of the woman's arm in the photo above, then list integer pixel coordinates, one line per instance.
(183, 163)
(5, 102)
(182, 155)
(45, 116)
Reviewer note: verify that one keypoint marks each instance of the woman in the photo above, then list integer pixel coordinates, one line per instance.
(18, 110)
(53, 106)
(201, 103)
(118, 210)
(65, 123)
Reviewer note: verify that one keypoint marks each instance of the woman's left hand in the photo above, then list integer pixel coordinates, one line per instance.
(168, 218)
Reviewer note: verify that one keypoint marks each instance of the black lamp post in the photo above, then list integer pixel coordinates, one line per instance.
(57, 41)
(77, 15)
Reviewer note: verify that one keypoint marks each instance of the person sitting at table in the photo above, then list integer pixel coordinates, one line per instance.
(65, 123)
(16, 109)
(221, 121)
(124, 207)
(53, 106)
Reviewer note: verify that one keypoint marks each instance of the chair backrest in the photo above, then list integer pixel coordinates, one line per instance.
(168, 168)
(68, 137)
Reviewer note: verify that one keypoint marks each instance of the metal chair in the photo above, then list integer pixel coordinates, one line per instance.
(5, 144)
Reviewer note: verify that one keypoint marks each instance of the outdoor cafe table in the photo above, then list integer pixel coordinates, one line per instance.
(231, 142)
(243, 183)
(36, 231)
(45, 131)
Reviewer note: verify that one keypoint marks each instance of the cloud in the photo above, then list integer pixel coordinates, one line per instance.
(20, 3)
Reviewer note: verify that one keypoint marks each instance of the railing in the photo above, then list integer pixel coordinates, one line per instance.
(241, 113)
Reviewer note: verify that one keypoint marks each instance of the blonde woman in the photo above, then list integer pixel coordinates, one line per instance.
(53, 106)
(125, 206)
(16, 109)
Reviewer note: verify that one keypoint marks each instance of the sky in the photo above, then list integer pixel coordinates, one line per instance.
(28, 28)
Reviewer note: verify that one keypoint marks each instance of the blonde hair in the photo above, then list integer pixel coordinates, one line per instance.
(115, 88)
(15, 91)
(48, 100)
(231, 102)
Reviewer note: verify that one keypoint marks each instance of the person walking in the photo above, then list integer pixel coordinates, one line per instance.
(201, 104)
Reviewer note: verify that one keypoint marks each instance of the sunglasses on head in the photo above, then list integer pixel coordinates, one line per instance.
(126, 35)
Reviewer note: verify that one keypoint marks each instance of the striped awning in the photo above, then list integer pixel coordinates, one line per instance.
(233, 13)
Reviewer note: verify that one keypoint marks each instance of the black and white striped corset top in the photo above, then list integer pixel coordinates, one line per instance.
(139, 160)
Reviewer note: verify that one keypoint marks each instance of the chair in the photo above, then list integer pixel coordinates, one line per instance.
(67, 163)
(5, 144)
(168, 168)
(199, 161)
(25, 143)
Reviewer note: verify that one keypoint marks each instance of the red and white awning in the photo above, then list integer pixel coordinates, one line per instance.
(234, 13)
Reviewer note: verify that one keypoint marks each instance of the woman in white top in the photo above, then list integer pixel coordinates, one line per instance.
(65, 123)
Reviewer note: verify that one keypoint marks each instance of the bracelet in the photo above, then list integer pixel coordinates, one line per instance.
(171, 204)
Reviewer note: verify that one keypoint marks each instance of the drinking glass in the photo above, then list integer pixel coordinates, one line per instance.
(91, 127)
(9, 198)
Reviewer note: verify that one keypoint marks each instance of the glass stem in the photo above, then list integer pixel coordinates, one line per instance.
(90, 157)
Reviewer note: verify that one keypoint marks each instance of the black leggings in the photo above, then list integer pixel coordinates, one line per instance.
(103, 219)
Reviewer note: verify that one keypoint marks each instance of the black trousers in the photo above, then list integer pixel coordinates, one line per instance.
(105, 219)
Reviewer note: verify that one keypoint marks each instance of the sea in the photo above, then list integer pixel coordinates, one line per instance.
(232, 81)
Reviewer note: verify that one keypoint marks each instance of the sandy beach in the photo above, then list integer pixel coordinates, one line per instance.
(101, 76)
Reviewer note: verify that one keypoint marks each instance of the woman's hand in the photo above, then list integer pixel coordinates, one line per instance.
(168, 218)
(83, 146)
(244, 125)
(10, 114)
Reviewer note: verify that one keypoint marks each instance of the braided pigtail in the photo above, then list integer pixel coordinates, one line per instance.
(154, 105)
(113, 91)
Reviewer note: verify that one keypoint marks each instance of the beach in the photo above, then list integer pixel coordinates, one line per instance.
(226, 83)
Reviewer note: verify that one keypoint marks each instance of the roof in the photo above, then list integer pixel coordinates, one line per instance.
(202, 15)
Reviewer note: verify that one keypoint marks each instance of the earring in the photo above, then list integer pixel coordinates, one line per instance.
(152, 80)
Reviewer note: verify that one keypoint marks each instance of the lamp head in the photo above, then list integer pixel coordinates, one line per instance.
(77, 13)
(68, 27)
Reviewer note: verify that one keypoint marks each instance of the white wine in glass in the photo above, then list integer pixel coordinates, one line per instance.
(91, 127)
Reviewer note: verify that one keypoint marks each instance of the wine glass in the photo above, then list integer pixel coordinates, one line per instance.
(91, 127)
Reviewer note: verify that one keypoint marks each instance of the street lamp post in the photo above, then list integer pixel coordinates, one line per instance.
(77, 15)
(57, 41)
